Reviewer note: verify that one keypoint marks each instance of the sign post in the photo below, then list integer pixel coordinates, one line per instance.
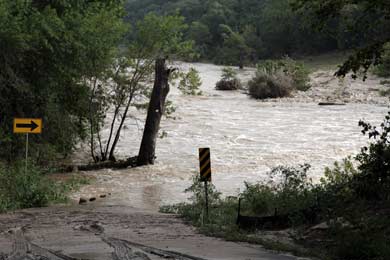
(205, 172)
(25, 168)
(27, 126)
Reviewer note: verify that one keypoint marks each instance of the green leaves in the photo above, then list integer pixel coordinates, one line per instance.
(161, 37)
(48, 50)
(190, 83)
(366, 21)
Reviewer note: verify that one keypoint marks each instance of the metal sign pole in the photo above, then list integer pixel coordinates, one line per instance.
(26, 153)
(207, 200)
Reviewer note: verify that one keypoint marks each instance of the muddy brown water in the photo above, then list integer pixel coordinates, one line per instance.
(247, 138)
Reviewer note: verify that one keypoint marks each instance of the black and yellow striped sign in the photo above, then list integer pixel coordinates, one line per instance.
(205, 164)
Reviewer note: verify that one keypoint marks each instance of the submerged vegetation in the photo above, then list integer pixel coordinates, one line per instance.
(190, 83)
(270, 85)
(350, 204)
(229, 80)
(275, 79)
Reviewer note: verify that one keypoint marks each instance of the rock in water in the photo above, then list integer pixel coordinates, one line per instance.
(82, 201)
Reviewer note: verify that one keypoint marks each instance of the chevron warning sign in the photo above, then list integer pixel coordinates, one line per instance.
(205, 164)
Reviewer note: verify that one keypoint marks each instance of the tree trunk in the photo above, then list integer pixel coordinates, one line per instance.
(156, 109)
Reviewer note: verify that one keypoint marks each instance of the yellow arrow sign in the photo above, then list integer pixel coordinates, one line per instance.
(27, 125)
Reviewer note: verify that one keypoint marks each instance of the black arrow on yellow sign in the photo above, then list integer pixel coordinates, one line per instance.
(32, 126)
(27, 125)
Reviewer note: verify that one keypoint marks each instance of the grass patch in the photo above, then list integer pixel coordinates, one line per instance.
(20, 189)
(328, 61)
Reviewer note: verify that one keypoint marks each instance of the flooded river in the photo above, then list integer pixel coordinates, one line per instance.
(247, 138)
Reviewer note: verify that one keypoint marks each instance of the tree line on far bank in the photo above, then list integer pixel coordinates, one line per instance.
(238, 32)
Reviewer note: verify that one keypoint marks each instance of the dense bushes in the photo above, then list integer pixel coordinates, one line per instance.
(289, 192)
(297, 71)
(278, 78)
(229, 80)
(21, 189)
(50, 51)
(265, 85)
(373, 182)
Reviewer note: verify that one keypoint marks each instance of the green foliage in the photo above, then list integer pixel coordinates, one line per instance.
(240, 32)
(197, 189)
(291, 68)
(129, 80)
(195, 211)
(368, 240)
(228, 74)
(235, 32)
(357, 18)
(373, 182)
(335, 190)
(235, 50)
(50, 51)
(190, 83)
(275, 85)
(161, 37)
(20, 189)
(289, 192)
(229, 80)
(278, 78)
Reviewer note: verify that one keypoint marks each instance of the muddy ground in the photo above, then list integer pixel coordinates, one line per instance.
(112, 232)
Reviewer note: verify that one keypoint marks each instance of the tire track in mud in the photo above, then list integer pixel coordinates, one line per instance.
(126, 250)
(23, 249)
(99, 232)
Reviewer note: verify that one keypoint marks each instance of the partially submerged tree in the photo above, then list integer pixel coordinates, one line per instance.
(190, 83)
(165, 35)
(154, 40)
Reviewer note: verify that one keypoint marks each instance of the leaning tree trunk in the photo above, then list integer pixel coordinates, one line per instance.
(156, 109)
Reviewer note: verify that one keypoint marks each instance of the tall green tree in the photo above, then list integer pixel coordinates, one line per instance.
(49, 53)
